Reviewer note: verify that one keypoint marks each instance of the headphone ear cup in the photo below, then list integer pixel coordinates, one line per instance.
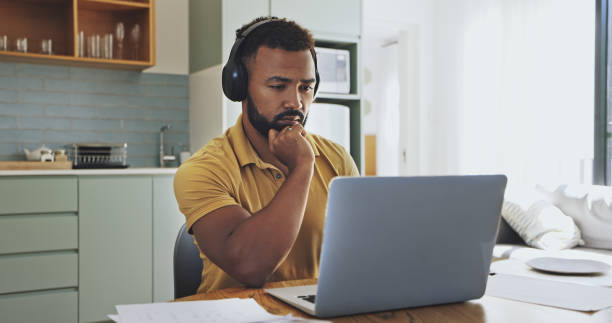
(234, 81)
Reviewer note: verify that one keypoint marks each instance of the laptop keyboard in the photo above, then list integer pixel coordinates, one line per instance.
(308, 298)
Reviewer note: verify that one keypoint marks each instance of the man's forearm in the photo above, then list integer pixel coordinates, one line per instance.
(260, 243)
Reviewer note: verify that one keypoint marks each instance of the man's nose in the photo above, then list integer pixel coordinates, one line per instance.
(293, 99)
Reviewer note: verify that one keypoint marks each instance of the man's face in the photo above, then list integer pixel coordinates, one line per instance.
(281, 88)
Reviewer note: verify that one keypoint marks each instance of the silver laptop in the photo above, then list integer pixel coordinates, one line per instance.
(398, 242)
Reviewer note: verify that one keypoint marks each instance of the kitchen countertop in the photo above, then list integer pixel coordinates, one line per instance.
(125, 171)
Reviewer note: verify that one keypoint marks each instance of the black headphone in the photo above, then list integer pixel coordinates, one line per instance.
(235, 78)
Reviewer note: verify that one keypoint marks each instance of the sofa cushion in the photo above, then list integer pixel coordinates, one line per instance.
(591, 208)
(538, 221)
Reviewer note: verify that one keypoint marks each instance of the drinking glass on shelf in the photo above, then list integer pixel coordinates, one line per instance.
(46, 46)
(135, 38)
(97, 46)
(81, 44)
(107, 47)
(22, 44)
(90, 46)
(93, 46)
(120, 36)
(4, 42)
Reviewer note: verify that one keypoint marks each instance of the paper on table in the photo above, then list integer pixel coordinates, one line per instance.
(519, 268)
(225, 310)
(551, 293)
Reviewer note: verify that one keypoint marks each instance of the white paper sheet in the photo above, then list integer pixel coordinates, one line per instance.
(226, 310)
(551, 293)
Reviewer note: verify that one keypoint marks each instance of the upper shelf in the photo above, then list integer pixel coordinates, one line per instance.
(112, 5)
(62, 21)
(75, 61)
(338, 96)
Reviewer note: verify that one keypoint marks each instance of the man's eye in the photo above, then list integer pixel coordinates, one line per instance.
(306, 87)
(277, 87)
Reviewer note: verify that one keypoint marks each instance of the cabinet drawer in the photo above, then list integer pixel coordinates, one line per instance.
(47, 306)
(19, 273)
(45, 232)
(38, 194)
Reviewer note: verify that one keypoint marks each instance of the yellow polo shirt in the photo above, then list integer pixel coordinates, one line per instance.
(228, 171)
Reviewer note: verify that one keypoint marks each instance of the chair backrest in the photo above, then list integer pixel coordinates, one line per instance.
(187, 265)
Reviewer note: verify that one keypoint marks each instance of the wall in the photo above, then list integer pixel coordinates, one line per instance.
(171, 37)
(59, 105)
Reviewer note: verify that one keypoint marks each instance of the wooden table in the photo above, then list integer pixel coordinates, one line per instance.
(487, 309)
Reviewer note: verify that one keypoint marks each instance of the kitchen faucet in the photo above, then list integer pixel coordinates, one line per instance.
(163, 158)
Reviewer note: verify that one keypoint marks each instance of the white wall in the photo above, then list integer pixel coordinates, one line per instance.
(171, 37)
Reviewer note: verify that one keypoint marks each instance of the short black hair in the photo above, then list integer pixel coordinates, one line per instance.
(279, 33)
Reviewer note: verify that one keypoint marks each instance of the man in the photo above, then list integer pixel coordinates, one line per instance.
(255, 197)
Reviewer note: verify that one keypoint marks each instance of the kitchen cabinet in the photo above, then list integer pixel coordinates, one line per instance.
(63, 20)
(50, 306)
(167, 220)
(322, 16)
(73, 247)
(38, 249)
(334, 24)
(115, 251)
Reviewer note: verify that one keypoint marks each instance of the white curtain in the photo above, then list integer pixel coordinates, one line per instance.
(514, 89)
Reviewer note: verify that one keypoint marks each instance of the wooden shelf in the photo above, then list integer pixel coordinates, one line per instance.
(112, 5)
(338, 96)
(62, 20)
(74, 61)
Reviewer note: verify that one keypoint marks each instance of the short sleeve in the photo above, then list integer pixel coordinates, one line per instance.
(201, 188)
(349, 166)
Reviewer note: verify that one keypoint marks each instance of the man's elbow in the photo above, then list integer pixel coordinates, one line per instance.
(249, 272)
(251, 275)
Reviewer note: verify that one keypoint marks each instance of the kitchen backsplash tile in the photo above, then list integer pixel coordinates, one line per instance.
(95, 99)
(21, 109)
(8, 122)
(86, 124)
(70, 86)
(59, 105)
(27, 96)
(70, 111)
(44, 71)
(7, 149)
(168, 90)
(9, 96)
(42, 123)
(7, 69)
(12, 82)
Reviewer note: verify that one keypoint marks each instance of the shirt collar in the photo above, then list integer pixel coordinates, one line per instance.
(246, 153)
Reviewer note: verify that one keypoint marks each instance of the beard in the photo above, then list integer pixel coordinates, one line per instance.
(263, 125)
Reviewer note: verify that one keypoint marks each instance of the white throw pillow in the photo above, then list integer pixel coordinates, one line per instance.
(590, 206)
(538, 221)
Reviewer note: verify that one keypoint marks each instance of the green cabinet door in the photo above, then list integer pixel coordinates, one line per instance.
(322, 16)
(167, 220)
(115, 244)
